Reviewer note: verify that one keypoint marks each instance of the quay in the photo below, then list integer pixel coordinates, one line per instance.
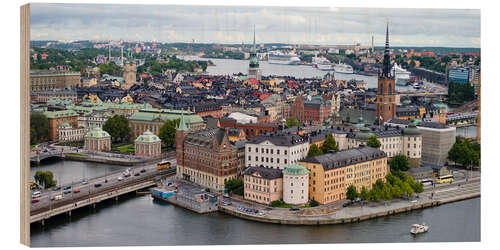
(327, 215)
(187, 196)
(108, 191)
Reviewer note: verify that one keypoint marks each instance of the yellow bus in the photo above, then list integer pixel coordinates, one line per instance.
(162, 165)
(445, 179)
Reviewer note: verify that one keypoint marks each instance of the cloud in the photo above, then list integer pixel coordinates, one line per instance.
(171, 23)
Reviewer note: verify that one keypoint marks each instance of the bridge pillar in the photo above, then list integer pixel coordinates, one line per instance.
(93, 205)
(43, 222)
(69, 213)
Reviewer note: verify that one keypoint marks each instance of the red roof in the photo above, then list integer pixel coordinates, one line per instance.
(264, 96)
(253, 81)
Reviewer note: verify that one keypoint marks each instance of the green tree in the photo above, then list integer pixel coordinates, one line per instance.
(407, 190)
(379, 184)
(351, 193)
(39, 128)
(373, 141)
(375, 194)
(329, 144)
(454, 153)
(292, 122)
(234, 186)
(390, 178)
(313, 203)
(396, 191)
(364, 194)
(45, 179)
(399, 162)
(118, 127)
(386, 192)
(167, 132)
(399, 174)
(314, 151)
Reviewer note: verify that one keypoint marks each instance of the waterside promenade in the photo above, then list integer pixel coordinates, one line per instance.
(335, 213)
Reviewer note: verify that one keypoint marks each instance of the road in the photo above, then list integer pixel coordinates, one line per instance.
(87, 188)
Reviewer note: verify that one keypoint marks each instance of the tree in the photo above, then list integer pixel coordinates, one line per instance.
(314, 151)
(379, 184)
(329, 144)
(412, 64)
(45, 179)
(364, 194)
(390, 178)
(373, 142)
(292, 122)
(396, 191)
(399, 174)
(374, 194)
(313, 203)
(399, 162)
(234, 186)
(118, 127)
(39, 128)
(454, 152)
(167, 132)
(386, 192)
(407, 190)
(351, 193)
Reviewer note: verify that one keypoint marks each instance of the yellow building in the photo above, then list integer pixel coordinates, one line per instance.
(332, 173)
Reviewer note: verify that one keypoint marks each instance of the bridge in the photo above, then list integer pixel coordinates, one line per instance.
(423, 94)
(38, 157)
(111, 190)
(462, 119)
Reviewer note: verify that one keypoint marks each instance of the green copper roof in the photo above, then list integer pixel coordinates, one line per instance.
(166, 114)
(411, 130)
(296, 169)
(97, 132)
(60, 113)
(182, 124)
(147, 137)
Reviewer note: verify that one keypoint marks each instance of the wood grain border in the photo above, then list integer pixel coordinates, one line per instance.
(25, 146)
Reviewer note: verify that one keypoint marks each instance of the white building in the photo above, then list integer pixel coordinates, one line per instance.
(275, 150)
(243, 118)
(296, 184)
(68, 133)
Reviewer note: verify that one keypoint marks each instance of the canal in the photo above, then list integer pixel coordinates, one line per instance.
(138, 220)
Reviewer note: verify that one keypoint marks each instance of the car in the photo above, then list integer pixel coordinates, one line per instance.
(137, 174)
(261, 213)
(67, 191)
(97, 185)
(56, 188)
(347, 204)
(268, 208)
(67, 187)
(226, 195)
(294, 209)
(34, 201)
(120, 178)
(76, 191)
(143, 170)
(36, 194)
(126, 175)
(57, 197)
(85, 182)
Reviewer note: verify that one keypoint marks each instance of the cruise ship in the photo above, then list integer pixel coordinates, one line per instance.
(278, 57)
(401, 75)
(321, 63)
(343, 68)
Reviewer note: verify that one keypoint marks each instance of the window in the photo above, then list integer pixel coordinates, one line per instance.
(249, 149)
(249, 158)
(277, 151)
(286, 151)
(285, 161)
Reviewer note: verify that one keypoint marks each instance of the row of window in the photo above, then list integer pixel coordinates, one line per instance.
(267, 159)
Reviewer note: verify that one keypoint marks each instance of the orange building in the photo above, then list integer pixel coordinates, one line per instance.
(263, 185)
(331, 173)
(57, 118)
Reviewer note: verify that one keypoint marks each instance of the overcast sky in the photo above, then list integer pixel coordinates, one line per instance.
(167, 23)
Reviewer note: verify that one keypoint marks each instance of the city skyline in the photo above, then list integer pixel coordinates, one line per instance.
(234, 25)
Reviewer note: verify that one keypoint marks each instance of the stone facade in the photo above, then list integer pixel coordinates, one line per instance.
(263, 185)
(296, 185)
(68, 133)
(43, 80)
(57, 118)
(147, 145)
(97, 140)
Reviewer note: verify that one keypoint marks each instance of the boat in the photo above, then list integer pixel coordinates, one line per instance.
(278, 57)
(401, 75)
(325, 66)
(417, 228)
(319, 60)
(343, 68)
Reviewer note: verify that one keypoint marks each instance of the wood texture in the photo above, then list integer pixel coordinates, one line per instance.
(25, 146)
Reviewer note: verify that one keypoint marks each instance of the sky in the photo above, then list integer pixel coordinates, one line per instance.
(217, 24)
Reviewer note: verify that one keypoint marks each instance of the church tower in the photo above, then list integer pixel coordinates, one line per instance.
(180, 133)
(253, 68)
(386, 91)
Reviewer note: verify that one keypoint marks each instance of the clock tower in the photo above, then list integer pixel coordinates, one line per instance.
(386, 91)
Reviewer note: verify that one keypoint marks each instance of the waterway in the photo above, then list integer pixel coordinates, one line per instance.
(139, 220)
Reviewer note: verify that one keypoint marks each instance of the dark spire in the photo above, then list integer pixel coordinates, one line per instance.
(386, 69)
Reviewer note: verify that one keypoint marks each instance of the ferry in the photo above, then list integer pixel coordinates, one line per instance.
(417, 228)
(163, 164)
(401, 75)
(278, 57)
(343, 68)
(319, 60)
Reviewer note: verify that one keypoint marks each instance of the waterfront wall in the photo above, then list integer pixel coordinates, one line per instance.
(327, 220)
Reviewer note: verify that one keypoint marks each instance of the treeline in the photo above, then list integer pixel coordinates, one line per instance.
(459, 93)
(156, 68)
(217, 53)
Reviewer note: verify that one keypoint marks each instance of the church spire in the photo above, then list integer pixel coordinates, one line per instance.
(386, 69)
(182, 124)
(254, 39)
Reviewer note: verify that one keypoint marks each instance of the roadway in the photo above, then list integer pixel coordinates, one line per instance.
(79, 189)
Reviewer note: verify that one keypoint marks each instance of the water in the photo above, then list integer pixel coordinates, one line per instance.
(141, 221)
(470, 131)
(231, 66)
